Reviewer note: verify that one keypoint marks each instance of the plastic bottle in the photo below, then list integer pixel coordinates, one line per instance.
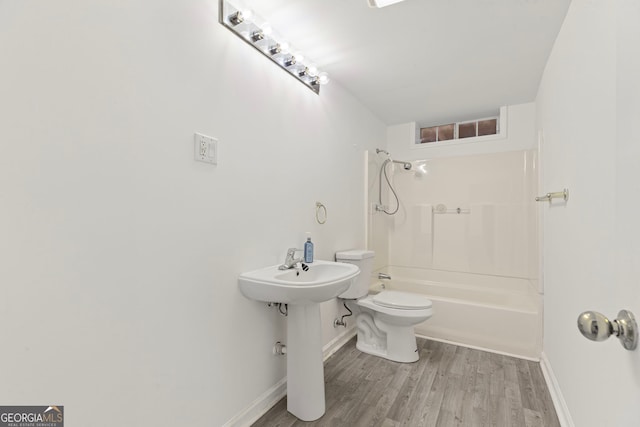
(308, 250)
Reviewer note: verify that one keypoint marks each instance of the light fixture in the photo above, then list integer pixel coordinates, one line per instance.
(382, 3)
(259, 34)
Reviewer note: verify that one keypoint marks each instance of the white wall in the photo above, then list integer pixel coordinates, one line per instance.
(587, 113)
(119, 253)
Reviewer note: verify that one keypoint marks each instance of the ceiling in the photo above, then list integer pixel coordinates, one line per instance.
(428, 61)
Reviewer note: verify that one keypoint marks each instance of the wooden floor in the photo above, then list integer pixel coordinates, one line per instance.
(448, 386)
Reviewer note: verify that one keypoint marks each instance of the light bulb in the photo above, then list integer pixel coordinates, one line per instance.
(266, 29)
(247, 14)
(284, 47)
(312, 70)
(323, 78)
(299, 56)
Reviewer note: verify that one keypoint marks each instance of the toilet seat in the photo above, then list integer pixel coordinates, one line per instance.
(401, 300)
(406, 313)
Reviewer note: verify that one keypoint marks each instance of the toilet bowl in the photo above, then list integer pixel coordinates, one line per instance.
(386, 324)
(385, 321)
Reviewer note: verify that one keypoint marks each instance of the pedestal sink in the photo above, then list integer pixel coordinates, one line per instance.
(303, 291)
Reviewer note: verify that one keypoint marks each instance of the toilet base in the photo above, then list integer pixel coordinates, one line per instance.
(396, 343)
(410, 358)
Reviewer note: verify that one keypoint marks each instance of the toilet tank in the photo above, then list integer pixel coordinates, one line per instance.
(364, 260)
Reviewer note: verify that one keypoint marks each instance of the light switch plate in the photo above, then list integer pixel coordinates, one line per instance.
(205, 148)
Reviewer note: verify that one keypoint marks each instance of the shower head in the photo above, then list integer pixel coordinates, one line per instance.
(405, 165)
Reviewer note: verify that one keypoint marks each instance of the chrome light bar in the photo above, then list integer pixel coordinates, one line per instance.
(245, 24)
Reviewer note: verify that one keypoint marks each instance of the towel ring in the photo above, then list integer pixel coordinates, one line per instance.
(321, 213)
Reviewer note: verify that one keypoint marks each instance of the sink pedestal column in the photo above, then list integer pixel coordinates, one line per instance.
(305, 370)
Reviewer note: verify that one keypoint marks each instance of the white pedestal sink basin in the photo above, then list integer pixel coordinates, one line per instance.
(303, 291)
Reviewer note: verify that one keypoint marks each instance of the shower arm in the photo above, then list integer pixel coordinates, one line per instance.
(405, 165)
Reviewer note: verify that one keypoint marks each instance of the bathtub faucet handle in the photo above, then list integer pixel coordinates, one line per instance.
(383, 276)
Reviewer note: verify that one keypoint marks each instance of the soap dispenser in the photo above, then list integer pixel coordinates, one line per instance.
(308, 249)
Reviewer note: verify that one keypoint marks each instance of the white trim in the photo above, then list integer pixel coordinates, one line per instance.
(269, 398)
(564, 416)
(366, 198)
(503, 127)
(336, 344)
(475, 347)
(541, 210)
(260, 406)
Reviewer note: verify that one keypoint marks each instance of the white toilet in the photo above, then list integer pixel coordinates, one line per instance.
(386, 320)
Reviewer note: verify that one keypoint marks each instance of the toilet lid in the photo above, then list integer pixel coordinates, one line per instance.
(401, 300)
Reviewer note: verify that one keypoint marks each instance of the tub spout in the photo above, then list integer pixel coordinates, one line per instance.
(384, 276)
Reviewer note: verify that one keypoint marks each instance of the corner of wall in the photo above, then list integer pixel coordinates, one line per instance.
(562, 410)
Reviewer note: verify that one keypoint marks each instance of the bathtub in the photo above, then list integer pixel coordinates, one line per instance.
(499, 314)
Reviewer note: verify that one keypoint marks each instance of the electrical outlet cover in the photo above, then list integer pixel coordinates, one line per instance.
(205, 148)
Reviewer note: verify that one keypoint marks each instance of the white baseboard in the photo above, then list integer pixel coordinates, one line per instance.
(556, 394)
(269, 398)
(260, 406)
(336, 344)
(475, 347)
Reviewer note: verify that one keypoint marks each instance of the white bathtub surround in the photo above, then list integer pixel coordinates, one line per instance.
(465, 236)
(496, 230)
(411, 236)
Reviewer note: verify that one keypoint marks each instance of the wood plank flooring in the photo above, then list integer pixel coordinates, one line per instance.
(448, 386)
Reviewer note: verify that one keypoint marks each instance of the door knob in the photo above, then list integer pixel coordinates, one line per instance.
(597, 327)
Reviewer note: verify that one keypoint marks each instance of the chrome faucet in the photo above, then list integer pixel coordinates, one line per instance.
(384, 276)
(290, 261)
